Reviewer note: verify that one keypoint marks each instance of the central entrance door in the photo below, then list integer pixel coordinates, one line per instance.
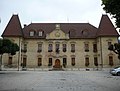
(57, 64)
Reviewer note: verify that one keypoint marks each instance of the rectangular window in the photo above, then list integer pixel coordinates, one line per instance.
(50, 48)
(94, 47)
(25, 48)
(87, 61)
(64, 62)
(86, 47)
(111, 60)
(10, 61)
(39, 61)
(50, 62)
(72, 47)
(57, 48)
(31, 33)
(73, 61)
(39, 47)
(40, 33)
(64, 47)
(95, 61)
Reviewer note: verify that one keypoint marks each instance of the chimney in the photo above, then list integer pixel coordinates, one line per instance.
(25, 25)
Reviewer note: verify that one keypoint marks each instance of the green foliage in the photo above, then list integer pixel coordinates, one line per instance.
(115, 48)
(112, 7)
(6, 46)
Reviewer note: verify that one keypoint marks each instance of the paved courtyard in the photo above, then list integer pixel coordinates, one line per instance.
(58, 81)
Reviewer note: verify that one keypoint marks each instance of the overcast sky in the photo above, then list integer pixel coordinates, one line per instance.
(66, 11)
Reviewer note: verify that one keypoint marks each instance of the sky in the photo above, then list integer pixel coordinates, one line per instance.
(51, 11)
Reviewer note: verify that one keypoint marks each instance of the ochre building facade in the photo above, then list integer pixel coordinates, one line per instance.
(66, 45)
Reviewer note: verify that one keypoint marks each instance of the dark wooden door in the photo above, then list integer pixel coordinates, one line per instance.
(57, 64)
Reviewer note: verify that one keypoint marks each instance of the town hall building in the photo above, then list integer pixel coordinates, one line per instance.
(61, 45)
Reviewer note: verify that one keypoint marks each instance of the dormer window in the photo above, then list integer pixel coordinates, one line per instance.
(32, 33)
(40, 33)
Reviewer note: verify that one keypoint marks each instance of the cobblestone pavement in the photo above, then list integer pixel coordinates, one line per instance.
(58, 81)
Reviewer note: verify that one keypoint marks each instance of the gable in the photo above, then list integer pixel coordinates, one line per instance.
(57, 33)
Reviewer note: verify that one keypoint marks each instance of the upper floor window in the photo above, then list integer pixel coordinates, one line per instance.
(94, 47)
(39, 47)
(72, 47)
(25, 47)
(86, 47)
(57, 48)
(109, 43)
(32, 33)
(40, 33)
(50, 48)
(64, 47)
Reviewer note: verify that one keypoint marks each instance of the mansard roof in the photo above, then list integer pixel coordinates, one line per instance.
(75, 30)
(13, 28)
(106, 28)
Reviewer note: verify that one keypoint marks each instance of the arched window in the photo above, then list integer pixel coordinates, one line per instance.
(72, 47)
(50, 62)
(86, 46)
(87, 61)
(73, 61)
(95, 61)
(111, 61)
(64, 47)
(39, 61)
(10, 61)
(50, 48)
(40, 47)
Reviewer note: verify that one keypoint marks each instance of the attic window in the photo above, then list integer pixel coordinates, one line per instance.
(40, 33)
(85, 32)
(32, 33)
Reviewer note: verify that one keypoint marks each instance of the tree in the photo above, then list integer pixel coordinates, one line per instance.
(6, 46)
(113, 8)
(115, 48)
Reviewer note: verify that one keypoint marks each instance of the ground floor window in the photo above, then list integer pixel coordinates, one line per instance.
(10, 61)
(39, 61)
(87, 61)
(95, 61)
(24, 62)
(73, 61)
(64, 62)
(111, 60)
(50, 62)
